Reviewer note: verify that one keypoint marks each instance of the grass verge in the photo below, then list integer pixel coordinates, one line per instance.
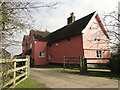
(90, 72)
(94, 72)
(30, 83)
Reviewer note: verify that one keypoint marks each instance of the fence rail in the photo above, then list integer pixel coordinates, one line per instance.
(81, 62)
(16, 78)
(74, 62)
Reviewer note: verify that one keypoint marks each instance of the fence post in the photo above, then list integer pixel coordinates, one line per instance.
(27, 63)
(80, 59)
(84, 62)
(14, 72)
(63, 62)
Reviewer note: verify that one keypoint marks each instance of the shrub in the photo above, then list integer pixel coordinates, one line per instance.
(114, 64)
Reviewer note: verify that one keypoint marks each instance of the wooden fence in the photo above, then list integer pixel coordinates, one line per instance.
(102, 64)
(16, 78)
(80, 62)
(74, 63)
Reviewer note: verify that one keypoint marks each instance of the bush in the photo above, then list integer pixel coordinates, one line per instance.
(114, 64)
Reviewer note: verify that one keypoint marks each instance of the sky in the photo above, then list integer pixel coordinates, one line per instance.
(56, 17)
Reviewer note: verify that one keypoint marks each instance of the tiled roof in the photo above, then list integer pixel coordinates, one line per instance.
(39, 35)
(70, 30)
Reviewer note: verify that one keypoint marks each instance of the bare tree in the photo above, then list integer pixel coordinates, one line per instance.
(112, 23)
(16, 18)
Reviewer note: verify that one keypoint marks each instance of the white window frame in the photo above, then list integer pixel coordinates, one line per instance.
(30, 45)
(99, 54)
(50, 56)
(42, 54)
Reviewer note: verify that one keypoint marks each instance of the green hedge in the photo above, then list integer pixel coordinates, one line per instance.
(114, 64)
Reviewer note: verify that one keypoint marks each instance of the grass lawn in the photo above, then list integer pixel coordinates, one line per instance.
(30, 83)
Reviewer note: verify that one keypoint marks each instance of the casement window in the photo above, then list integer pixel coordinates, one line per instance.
(31, 45)
(95, 25)
(96, 38)
(69, 39)
(57, 43)
(41, 54)
(50, 56)
(99, 54)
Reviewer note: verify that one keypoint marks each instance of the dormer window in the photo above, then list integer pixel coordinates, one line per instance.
(95, 25)
(57, 43)
(69, 39)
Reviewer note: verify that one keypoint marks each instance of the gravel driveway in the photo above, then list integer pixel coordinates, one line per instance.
(57, 79)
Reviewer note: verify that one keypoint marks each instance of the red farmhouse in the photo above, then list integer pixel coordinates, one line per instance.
(84, 37)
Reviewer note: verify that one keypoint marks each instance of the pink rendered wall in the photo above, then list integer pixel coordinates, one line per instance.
(74, 48)
(90, 46)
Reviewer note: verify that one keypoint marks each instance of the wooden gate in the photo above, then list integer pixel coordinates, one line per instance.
(81, 63)
(13, 77)
(74, 63)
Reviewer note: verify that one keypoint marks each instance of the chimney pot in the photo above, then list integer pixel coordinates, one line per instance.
(71, 19)
(72, 14)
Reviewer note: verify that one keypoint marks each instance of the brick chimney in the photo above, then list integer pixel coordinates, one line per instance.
(71, 19)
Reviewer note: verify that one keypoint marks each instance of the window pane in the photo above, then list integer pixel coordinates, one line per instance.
(100, 54)
(50, 56)
(94, 38)
(40, 54)
(97, 52)
(31, 45)
(43, 54)
(98, 38)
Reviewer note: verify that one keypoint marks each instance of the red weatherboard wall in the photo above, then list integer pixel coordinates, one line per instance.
(29, 42)
(40, 46)
(23, 46)
(74, 48)
(37, 46)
